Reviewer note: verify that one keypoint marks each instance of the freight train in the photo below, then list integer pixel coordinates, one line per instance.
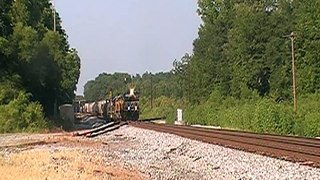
(122, 107)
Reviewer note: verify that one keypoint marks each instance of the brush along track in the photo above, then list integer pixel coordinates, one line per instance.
(297, 149)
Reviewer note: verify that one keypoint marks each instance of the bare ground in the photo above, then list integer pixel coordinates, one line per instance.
(58, 156)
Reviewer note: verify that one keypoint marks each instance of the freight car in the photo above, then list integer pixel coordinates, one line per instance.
(90, 108)
(122, 107)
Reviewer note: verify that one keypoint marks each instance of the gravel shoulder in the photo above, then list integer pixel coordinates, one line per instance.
(133, 153)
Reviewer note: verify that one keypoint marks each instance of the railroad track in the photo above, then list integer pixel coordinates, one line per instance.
(292, 148)
(100, 130)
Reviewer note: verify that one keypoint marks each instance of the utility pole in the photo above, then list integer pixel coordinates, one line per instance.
(151, 93)
(55, 105)
(54, 17)
(292, 37)
(189, 87)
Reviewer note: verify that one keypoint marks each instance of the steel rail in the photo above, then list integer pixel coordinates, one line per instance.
(295, 149)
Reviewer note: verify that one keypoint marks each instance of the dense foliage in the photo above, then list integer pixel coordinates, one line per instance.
(243, 45)
(17, 112)
(34, 60)
(239, 74)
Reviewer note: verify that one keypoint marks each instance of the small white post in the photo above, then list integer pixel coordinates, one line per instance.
(179, 116)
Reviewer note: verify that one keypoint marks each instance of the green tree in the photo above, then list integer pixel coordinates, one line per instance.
(41, 59)
(307, 15)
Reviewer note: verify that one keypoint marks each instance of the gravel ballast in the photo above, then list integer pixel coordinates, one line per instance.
(167, 156)
(134, 153)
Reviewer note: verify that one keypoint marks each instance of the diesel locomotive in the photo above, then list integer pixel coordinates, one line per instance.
(122, 107)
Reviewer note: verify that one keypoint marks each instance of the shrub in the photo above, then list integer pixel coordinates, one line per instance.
(162, 106)
(309, 125)
(263, 115)
(254, 114)
(308, 116)
(21, 115)
(271, 117)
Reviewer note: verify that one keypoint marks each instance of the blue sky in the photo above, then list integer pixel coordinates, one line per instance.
(132, 36)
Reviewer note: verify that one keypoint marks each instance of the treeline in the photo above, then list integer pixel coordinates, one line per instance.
(244, 45)
(38, 69)
(147, 85)
(239, 74)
